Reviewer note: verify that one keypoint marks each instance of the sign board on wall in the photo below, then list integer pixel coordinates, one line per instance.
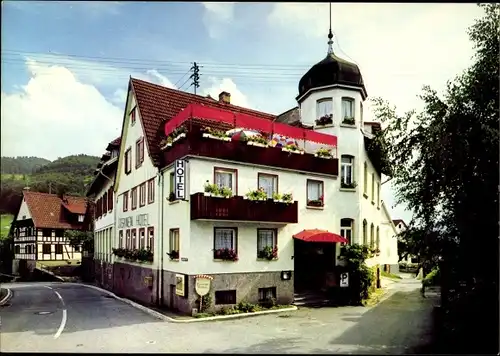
(180, 284)
(180, 179)
(140, 220)
(202, 284)
(344, 279)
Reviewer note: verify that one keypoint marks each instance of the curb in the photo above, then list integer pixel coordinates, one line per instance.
(7, 297)
(51, 273)
(172, 320)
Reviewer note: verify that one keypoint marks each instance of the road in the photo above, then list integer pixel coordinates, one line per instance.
(57, 317)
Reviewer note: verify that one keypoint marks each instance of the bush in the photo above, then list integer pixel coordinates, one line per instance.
(432, 279)
(360, 275)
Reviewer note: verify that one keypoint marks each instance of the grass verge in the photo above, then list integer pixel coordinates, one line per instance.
(390, 275)
(242, 308)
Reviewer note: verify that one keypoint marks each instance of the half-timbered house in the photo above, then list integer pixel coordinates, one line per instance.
(39, 226)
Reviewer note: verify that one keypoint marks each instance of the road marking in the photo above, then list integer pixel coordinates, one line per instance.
(64, 314)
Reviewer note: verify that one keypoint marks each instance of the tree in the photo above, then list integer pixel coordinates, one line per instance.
(446, 169)
(85, 239)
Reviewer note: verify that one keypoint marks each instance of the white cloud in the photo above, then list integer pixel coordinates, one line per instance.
(55, 115)
(217, 17)
(161, 78)
(226, 84)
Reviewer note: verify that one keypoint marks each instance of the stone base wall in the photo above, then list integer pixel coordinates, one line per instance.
(103, 273)
(135, 282)
(246, 285)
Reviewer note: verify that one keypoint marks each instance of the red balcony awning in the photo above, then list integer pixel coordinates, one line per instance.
(316, 235)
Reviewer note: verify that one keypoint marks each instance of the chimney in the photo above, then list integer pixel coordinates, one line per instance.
(225, 97)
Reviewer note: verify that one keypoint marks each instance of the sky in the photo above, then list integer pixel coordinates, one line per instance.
(66, 65)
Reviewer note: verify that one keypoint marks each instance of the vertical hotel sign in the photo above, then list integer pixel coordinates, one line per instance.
(180, 179)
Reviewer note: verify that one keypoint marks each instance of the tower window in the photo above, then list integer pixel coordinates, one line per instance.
(348, 111)
(346, 172)
(324, 111)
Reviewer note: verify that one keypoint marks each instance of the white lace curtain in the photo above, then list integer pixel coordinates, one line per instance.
(266, 238)
(324, 107)
(223, 179)
(314, 190)
(267, 183)
(224, 239)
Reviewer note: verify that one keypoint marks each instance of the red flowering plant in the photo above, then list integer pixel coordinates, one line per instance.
(268, 253)
(316, 202)
(227, 254)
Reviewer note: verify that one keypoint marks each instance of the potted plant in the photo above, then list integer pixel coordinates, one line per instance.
(171, 197)
(324, 153)
(348, 121)
(287, 198)
(226, 254)
(257, 140)
(258, 194)
(276, 197)
(226, 192)
(179, 133)
(215, 134)
(350, 185)
(324, 120)
(316, 202)
(118, 252)
(165, 142)
(211, 189)
(268, 253)
(292, 148)
(174, 255)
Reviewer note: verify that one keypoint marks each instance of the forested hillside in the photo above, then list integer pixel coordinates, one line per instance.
(22, 165)
(70, 175)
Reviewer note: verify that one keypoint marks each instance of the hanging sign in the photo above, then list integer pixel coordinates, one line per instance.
(180, 179)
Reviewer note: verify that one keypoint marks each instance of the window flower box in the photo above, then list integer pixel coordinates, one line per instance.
(287, 198)
(258, 194)
(316, 202)
(177, 138)
(174, 255)
(221, 138)
(226, 254)
(324, 153)
(268, 253)
(213, 190)
(292, 149)
(350, 185)
(257, 140)
(142, 255)
(257, 144)
(209, 132)
(348, 121)
(325, 120)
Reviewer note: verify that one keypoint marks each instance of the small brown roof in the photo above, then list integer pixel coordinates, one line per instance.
(158, 104)
(290, 117)
(397, 221)
(47, 209)
(114, 144)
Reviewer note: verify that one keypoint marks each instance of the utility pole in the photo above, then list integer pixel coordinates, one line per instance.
(195, 76)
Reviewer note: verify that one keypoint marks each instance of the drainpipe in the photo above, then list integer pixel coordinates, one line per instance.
(160, 292)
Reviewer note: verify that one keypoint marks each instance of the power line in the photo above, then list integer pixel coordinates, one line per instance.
(175, 85)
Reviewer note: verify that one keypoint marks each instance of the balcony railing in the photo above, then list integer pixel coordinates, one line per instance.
(237, 208)
(239, 151)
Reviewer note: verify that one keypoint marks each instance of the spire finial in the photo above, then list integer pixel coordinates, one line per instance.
(330, 34)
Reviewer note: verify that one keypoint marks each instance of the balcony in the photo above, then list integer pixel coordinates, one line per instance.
(238, 151)
(237, 208)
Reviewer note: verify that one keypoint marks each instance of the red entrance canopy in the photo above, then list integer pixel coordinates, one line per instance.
(316, 235)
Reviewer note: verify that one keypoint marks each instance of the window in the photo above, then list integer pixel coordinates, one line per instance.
(347, 108)
(346, 171)
(225, 177)
(105, 203)
(151, 191)
(268, 182)
(346, 229)
(59, 249)
(377, 244)
(365, 178)
(373, 187)
(133, 239)
(224, 238)
(76, 248)
(45, 232)
(110, 199)
(225, 297)
(132, 116)
(151, 239)
(314, 193)
(266, 294)
(372, 236)
(128, 160)
(81, 218)
(28, 249)
(378, 194)
(24, 217)
(139, 152)
(46, 249)
(128, 243)
(361, 111)
(365, 232)
(172, 182)
(142, 194)
(125, 201)
(120, 239)
(142, 238)
(174, 240)
(266, 238)
(324, 109)
(59, 233)
(133, 198)
(17, 249)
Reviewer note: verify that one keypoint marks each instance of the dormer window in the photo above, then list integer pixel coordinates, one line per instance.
(348, 111)
(324, 112)
(81, 218)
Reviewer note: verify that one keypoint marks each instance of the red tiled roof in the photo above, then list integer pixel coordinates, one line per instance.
(47, 210)
(158, 104)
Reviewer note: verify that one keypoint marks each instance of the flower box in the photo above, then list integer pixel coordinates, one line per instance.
(257, 144)
(177, 138)
(226, 254)
(207, 135)
(164, 147)
(324, 157)
(300, 152)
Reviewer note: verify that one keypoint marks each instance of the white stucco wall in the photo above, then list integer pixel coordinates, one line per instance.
(104, 232)
(24, 212)
(137, 176)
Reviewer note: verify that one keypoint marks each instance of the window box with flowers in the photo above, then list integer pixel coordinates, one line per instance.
(348, 121)
(215, 134)
(325, 120)
(257, 140)
(213, 190)
(324, 153)
(269, 253)
(292, 148)
(165, 143)
(351, 185)
(174, 255)
(176, 135)
(286, 198)
(141, 255)
(258, 194)
(318, 203)
(225, 254)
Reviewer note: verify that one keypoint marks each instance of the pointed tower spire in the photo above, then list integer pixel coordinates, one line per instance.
(330, 34)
